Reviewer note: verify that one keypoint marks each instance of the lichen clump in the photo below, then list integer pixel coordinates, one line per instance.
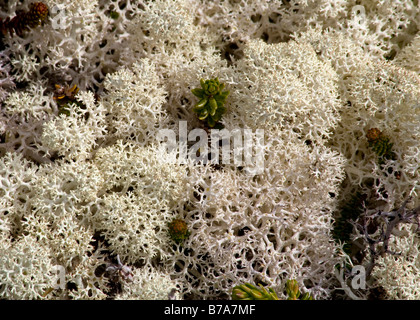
(316, 104)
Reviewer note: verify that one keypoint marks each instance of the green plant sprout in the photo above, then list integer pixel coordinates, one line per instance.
(63, 95)
(114, 15)
(293, 293)
(380, 144)
(248, 291)
(178, 230)
(212, 98)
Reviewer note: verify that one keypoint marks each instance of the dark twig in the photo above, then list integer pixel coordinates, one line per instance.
(386, 222)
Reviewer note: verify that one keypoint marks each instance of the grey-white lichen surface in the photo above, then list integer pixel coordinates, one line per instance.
(84, 185)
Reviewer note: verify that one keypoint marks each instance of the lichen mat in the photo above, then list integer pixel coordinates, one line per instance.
(87, 86)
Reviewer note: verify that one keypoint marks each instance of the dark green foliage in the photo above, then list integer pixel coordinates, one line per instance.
(248, 291)
(114, 15)
(293, 292)
(210, 107)
(349, 211)
(380, 144)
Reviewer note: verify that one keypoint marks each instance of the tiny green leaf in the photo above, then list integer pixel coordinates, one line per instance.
(202, 103)
(213, 106)
(203, 114)
(224, 94)
(114, 15)
(218, 126)
(198, 92)
(198, 109)
(212, 89)
(217, 116)
(211, 121)
(219, 112)
(307, 296)
(249, 292)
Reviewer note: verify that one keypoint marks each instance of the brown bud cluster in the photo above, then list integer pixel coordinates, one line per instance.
(25, 20)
